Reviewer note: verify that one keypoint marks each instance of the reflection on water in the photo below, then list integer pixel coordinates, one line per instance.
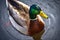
(50, 21)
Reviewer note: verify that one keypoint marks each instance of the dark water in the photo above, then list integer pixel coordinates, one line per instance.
(52, 25)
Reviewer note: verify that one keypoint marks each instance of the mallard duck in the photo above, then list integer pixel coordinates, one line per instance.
(26, 19)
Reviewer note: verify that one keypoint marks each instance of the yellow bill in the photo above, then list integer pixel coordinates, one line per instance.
(42, 14)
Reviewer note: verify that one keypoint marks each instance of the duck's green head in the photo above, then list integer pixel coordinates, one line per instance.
(35, 10)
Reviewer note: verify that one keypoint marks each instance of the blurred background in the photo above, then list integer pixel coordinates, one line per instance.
(52, 25)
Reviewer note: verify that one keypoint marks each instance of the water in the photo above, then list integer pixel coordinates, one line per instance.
(52, 25)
